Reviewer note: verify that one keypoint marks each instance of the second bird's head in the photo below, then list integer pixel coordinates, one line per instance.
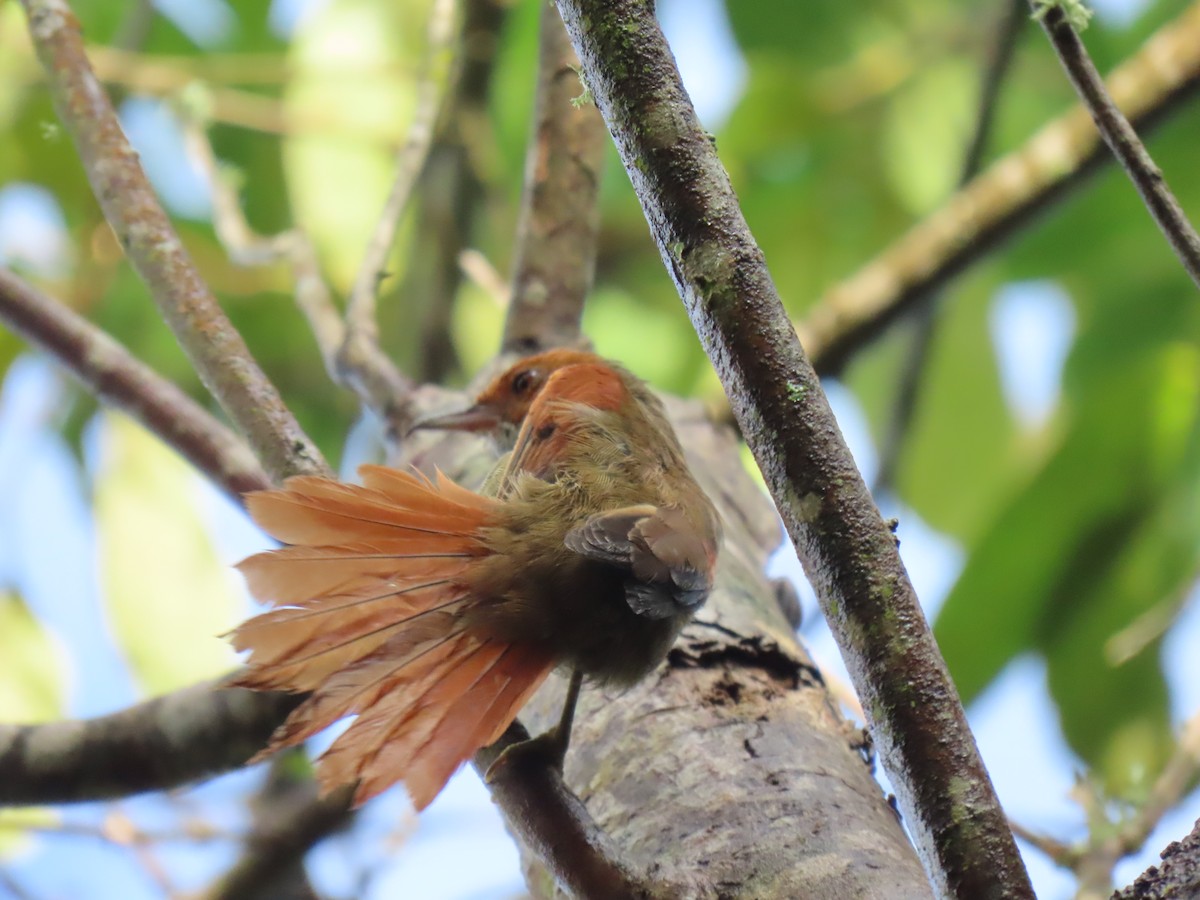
(502, 406)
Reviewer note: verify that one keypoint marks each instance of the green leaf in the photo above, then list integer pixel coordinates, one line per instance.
(167, 595)
(961, 455)
(927, 126)
(32, 665)
(1102, 533)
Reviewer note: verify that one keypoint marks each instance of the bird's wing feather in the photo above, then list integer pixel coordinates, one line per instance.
(670, 564)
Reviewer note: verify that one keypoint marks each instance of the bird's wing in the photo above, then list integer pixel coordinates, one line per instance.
(669, 561)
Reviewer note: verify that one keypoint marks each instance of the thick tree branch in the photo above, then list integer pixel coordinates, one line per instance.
(191, 734)
(560, 217)
(216, 350)
(115, 376)
(1005, 196)
(1176, 878)
(848, 551)
(1121, 138)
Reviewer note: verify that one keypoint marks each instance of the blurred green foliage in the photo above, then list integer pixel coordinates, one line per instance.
(851, 125)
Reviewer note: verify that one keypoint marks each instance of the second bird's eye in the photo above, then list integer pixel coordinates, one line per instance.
(524, 380)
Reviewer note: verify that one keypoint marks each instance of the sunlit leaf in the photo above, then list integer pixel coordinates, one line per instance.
(16, 838)
(32, 665)
(928, 125)
(167, 595)
(339, 181)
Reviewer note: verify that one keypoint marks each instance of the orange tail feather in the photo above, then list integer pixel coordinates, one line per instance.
(368, 617)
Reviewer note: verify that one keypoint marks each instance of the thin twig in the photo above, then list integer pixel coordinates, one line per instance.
(360, 360)
(1093, 861)
(1177, 778)
(114, 375)
(216, 350)
(1052, 848)
(480, 271)
(849, 553)
(313, 296)
(1121, 138)
(289, 820)
(916, 361)
(559, 222)
(1148, 86)
(118, 829)
(248, 248)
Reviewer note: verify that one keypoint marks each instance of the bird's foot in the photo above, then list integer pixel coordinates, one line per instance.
(548, 748)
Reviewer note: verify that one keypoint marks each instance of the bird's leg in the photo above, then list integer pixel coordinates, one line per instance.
(551, 745)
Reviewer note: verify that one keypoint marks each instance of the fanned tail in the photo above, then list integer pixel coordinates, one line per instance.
(368, 617)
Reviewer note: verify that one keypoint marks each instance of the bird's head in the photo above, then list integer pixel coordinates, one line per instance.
(502, 406)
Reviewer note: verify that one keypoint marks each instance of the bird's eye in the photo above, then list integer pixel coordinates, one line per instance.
(524, 380)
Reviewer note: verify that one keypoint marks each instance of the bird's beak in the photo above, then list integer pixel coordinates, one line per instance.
(479, 417)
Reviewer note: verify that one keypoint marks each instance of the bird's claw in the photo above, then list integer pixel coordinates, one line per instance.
(548, 748)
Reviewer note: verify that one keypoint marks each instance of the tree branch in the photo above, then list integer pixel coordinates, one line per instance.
(289, 820)
(1005, 196)
(547, 818)
(557, 231)
(109, 371)
(1108, 842)
(1176, 878)
(370, 375)
(452, 190)
(216, 350)
(191, 734)
(849, 553)
(1147, 178)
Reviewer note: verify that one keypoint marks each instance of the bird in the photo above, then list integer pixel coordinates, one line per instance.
(432, 613)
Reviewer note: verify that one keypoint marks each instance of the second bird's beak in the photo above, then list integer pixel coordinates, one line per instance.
(479, 417)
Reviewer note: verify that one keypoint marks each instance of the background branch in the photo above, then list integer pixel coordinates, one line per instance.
(1177, 877)
(453, 190)
(924, 311)
(557, 230)
(289, 820)
(1147, 178)
(848, 551)
(367, 372)
(1004, 197)
(112, 373)
(361, 362)
(216, 350)
(191, 734)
